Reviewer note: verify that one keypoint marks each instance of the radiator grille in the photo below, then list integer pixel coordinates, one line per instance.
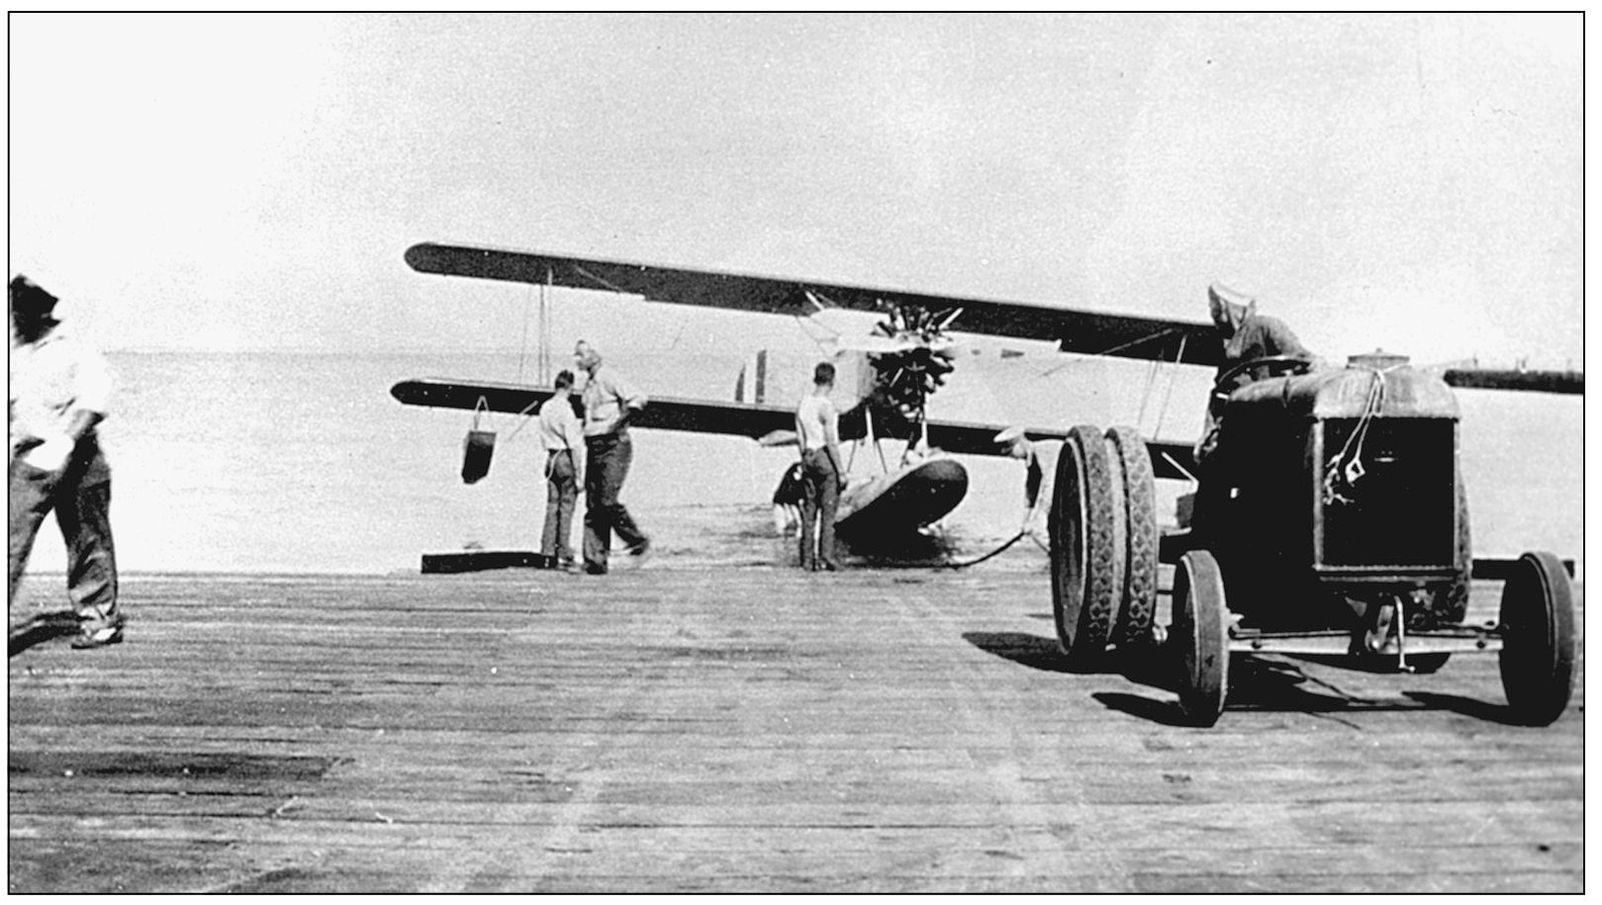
(1402, 509)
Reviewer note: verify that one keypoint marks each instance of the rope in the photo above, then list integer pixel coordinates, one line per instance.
(1023, 531)
(962, 565)
(996, 552)
(1346, 467)
(527, 421)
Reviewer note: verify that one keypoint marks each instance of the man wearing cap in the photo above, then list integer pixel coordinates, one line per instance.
(1036, 476)
(1247, 335)
(609, 403)
(59, 388)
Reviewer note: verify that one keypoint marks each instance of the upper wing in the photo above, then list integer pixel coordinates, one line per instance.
(1079, 331)
(743, 419)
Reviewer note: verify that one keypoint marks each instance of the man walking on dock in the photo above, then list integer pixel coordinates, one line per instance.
(59, 387)
(609, 403)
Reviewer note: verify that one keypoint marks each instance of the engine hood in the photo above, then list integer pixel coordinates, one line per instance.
(1345, 392)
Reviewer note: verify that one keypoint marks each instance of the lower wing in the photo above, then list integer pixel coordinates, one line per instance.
(743, 419)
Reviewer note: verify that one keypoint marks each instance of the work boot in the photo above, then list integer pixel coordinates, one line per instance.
(641, 551)
(98, 633)
(1381, 639)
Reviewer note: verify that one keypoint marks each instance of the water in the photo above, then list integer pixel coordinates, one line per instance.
(306, 464)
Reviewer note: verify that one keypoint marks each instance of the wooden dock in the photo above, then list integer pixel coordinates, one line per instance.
(742, 730)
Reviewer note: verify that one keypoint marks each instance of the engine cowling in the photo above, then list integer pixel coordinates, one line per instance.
(1343, 478)
(1345, 392)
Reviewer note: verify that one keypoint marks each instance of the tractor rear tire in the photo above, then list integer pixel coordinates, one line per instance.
(1201, 629)
(1085, 585)
(1537, 658)
(1139, 495)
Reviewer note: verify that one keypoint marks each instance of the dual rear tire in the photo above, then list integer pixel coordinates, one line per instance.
(1103, 527)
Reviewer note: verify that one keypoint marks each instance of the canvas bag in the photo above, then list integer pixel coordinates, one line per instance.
(477, 448)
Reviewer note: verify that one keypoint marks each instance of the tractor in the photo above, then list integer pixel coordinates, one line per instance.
(1329, 520)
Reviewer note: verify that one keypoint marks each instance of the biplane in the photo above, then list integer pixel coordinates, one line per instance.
(899, 364)
(895, 367)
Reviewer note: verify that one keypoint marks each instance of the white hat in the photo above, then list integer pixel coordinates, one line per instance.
(1009, 436)
(1223, 293)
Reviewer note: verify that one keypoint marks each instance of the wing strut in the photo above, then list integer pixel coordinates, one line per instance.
(1179, 468)
(1173, 374)
(1142, 340)
(598, 281)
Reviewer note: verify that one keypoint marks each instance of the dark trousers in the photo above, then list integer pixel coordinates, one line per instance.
(561, 493)
(81, 497)
(604, 473)
(820, 497)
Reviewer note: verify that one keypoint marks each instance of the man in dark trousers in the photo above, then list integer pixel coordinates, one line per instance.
(59, 386)
(562, 436)
(817, 431)
(609, 403)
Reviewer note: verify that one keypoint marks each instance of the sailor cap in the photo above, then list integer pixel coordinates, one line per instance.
(1009, 436)
(1223, 293)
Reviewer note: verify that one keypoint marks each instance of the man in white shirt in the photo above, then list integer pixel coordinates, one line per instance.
(817, 431)
(562, 436)
(59, 388)
(1038, 478)
(609, 403)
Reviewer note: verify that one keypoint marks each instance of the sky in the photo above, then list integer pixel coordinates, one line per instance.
(250, 182)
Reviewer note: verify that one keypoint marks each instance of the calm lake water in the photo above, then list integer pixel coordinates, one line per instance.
(306, 464)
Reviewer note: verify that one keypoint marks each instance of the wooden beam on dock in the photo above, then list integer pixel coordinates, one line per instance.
(742, 730)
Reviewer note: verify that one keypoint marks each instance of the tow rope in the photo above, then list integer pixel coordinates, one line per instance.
(996, 552)
(1023, 531)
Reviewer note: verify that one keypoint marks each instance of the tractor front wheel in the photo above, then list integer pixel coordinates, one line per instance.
(1537, 656)
(1201, 628)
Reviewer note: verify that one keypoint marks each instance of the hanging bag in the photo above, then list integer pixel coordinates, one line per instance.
(478, 447)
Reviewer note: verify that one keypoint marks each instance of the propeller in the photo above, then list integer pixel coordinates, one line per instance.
(915, 361)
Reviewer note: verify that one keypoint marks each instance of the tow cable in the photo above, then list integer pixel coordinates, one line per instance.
(974, 562)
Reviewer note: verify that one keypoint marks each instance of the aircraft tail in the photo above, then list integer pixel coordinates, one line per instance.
(759, 382)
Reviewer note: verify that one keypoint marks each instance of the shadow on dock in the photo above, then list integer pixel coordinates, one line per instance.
(1255, 684)
(1022, 648)
(41, 628)
(1481, 710)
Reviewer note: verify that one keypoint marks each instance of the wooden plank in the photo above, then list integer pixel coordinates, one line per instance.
(750, 730)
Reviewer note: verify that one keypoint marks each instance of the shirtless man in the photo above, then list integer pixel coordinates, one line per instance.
(817, 430)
